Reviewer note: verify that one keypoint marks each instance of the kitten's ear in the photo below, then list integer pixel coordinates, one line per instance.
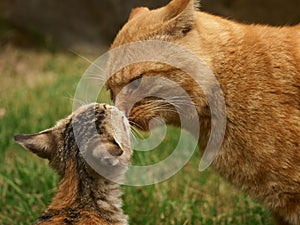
(41, 144)
(107, 152)
(179, 17)
(106, 158)
(137, 11)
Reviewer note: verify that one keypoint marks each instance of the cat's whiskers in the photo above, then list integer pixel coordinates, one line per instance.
(97, 75)
(135, 128)
(160, 106)
(181, 101)
(138, 133)
(132, 134)
(80, 102)
(176, 100)
(94, 77)
(88, 60)
(135, 124)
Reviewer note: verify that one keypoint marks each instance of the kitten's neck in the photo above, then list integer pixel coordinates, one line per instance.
(94, 194)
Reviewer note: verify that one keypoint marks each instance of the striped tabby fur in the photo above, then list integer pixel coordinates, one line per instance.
(84, 197)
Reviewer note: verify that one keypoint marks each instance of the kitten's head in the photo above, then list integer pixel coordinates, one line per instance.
(95, 137)
(149, 90)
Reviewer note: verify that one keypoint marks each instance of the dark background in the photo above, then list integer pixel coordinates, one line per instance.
(90, 24)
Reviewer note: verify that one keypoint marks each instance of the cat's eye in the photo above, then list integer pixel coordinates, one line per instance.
(135, 83)
(112, 96)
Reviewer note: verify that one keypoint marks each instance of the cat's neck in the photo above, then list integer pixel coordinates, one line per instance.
(215, 36)
(248, 61)
(94, 194)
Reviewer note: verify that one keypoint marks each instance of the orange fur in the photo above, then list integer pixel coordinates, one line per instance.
(258, 68)
(135, 12)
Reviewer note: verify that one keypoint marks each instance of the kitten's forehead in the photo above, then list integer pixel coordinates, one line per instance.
(108, 117)
(91, 106)
(88, 114)
(119, 127)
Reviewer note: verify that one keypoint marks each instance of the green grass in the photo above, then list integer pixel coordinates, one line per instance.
(36, 89)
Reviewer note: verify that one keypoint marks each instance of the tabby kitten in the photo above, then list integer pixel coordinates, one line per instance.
(258, 69)
(97, 134)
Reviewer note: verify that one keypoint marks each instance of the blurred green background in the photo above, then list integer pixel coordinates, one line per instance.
(38, 78)
(90, 24)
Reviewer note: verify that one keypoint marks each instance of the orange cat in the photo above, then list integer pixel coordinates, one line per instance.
(258, 69)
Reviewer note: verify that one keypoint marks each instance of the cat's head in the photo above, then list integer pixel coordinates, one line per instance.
(172, 22)
(139, 89)
(95, 136)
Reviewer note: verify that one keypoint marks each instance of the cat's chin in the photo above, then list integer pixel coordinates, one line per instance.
(148, 125)
(140, 124)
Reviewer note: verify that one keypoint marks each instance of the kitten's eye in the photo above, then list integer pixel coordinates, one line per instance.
(135, 83)
(115, 143)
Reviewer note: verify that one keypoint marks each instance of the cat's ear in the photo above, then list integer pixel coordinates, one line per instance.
(41, 144)
(137, 11)
(179, 17)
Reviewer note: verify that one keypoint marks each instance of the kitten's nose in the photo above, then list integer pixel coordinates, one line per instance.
(126, 112)
(122, 107)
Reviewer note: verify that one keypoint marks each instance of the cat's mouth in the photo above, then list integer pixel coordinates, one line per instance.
(147, 109)
(144, 119)
(140, 124)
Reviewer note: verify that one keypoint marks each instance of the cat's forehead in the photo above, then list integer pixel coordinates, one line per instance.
(134, 70)
(125, 74)
(141, 27)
